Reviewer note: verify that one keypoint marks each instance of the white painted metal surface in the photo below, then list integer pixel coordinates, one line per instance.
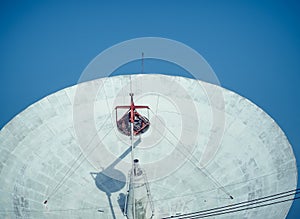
(49, 151)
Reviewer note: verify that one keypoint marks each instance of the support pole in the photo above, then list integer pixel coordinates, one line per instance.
(132, 171)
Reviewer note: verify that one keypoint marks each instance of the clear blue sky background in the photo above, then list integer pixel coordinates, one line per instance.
(253, 46)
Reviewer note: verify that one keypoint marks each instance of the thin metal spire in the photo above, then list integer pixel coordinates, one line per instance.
(142, 62)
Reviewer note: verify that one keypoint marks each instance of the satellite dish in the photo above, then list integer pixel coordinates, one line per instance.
(53, 165)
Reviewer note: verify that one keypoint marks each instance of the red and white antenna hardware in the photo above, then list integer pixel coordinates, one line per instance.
(139, 123)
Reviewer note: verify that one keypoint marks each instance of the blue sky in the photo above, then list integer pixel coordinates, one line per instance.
(253, 47)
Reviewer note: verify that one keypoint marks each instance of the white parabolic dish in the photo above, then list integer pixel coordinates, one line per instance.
(194, 152)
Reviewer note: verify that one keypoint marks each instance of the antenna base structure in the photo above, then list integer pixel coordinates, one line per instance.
(138, 203)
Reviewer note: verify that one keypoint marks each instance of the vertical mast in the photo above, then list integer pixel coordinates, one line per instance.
(142, 63)
(131, 124)
(132, 153)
